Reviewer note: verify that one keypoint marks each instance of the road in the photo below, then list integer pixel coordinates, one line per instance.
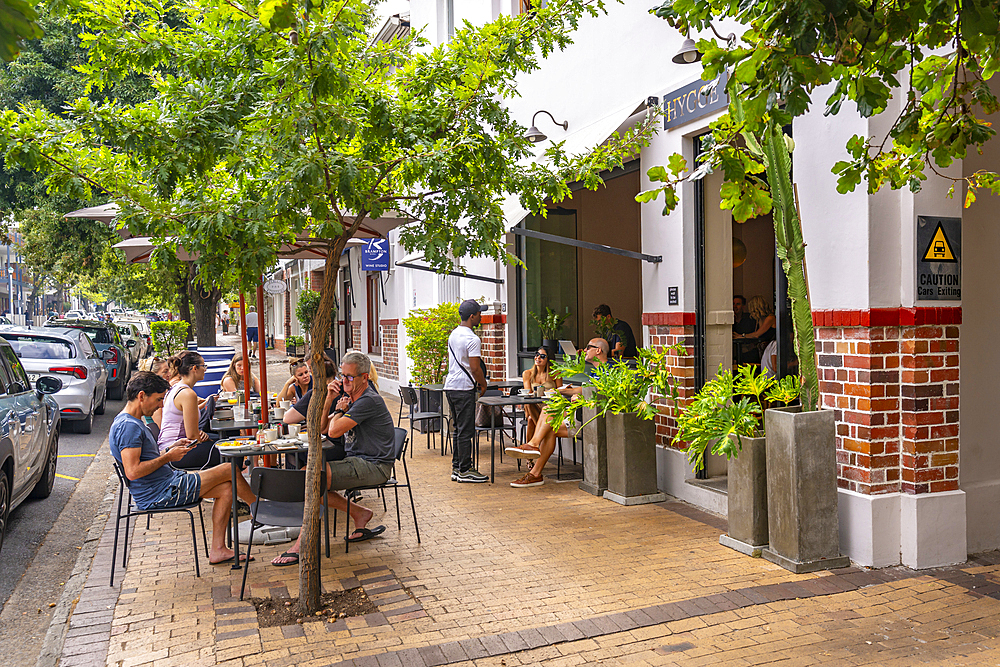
(24, 601)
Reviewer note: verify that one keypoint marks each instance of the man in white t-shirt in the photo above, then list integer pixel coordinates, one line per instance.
(465, 383)
(252, 331)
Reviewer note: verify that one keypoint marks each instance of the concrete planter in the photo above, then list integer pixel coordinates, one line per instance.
(803, 520)
(631, 460)
(595, 451)
(747, 490)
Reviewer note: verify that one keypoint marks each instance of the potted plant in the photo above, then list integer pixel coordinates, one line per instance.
(295, 346)
(726, 418)
(427, 331)
(549, 326)
(621, 395)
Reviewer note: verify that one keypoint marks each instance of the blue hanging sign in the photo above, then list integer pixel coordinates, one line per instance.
(375, 255)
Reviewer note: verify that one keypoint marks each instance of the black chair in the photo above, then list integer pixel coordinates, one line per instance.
(281, 496)
(408, 397)
(132, 510)
(399, 446)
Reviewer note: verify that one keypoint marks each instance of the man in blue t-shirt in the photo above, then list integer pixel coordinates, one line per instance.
(153, 483)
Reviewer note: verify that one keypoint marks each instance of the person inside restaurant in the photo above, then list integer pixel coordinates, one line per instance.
(543, 442)
(621, 339)
(298, 384)
(233, 379)
(538, 375)
(763, 316)
(744, 351)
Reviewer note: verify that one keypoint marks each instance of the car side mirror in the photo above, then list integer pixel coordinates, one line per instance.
(131, 343)
(46, 384)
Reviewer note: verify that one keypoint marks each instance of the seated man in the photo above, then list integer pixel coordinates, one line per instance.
(543, 442)
(153, 483)
(363, 419)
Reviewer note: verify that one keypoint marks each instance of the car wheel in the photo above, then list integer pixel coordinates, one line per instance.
(115, 393)
(99, 410)
(44, 486)
(4, 503)
(87, 424)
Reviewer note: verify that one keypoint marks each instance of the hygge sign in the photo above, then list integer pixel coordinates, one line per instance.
(939, 258)
(694, 101)
(375, 255)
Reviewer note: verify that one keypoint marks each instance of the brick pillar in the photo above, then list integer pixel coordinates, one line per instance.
(493, 333)
(666, 329)
(389, 366)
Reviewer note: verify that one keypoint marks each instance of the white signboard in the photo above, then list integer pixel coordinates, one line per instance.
(275, 286)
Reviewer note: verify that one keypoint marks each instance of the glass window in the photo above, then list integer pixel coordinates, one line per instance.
(99, 335)
(17, 373)
(549, 279)
(88, 348)
(374, 313)
(36, 347)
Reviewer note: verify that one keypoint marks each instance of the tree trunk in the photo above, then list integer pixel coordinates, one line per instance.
(183, 280)
(205, 304)
(309, 583)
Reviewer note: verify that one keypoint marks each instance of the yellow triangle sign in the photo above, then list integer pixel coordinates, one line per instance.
(939, 250)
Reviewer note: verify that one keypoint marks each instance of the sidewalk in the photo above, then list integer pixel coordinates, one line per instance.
(548, 575)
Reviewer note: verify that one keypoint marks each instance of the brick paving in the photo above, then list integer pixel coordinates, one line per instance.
(548, 575)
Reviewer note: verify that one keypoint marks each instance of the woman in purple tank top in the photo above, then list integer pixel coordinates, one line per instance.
(180, 405)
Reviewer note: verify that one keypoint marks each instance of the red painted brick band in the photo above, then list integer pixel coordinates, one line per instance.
(671, 319)
(887, 317)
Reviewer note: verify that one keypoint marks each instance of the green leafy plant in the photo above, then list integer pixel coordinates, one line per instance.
(428, 330)
(169, 337)
(307, 309)
(604, 326)
(617, 387)
(727, 406)
(551, 323)
(295, 341)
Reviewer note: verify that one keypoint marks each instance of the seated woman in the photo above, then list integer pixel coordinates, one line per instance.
(763, 315)
(233, 379)
(537, 376)
(298, 384)
(180, 414)
(165, 367)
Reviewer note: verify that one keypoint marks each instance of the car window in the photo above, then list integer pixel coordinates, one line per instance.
(37, 347)
(4, 379)
(17, 373)
(98, 335)
(88, 348)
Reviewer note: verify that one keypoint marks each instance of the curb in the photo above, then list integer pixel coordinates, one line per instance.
(55, 638)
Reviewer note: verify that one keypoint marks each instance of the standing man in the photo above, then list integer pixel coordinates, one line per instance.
(621, 339)
(156, 485)
(252, 331)
(225, 322)
(465, 383)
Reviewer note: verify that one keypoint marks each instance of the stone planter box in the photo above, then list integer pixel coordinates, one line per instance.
(595, 451)
(803, 518)
(631, 460)
(747, 491)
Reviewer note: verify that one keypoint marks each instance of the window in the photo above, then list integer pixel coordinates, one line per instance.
(550, 277)
(35, 347)
(374, 312)
(17, 373)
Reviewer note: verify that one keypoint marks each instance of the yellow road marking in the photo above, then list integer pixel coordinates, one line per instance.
(68, 456)
(75, 479)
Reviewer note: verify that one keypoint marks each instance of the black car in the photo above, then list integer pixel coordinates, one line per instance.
(29, 434)
(105, 336)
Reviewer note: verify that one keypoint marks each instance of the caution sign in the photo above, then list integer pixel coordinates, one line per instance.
(939, 258)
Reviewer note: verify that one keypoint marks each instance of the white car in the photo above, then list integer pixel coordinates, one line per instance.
(74, 315)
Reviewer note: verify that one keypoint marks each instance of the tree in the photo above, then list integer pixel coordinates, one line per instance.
(18, 20)
(293, 121)
(941, 54)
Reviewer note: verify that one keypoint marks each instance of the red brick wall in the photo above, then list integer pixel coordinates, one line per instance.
(389, 366)
(493, 333)
(892, 377)
(356, 335)
(666, 329)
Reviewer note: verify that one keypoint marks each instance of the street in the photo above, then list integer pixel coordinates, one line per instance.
(25, 611)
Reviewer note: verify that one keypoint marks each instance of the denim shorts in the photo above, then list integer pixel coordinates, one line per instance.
(184, 489)
(251, 334)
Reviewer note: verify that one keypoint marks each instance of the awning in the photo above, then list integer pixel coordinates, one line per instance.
(106, 213)
(138, 249)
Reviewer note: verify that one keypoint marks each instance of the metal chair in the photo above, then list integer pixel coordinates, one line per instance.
(408, 397)
(399, 450)
(281, 496)
(132, 510)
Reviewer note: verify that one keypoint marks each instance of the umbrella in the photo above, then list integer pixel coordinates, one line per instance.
(137, 250)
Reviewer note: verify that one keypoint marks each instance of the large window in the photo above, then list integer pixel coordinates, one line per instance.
(374, 313)
(550, 276)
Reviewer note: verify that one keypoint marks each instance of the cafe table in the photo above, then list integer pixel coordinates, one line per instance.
(503, 401)
(234, 454)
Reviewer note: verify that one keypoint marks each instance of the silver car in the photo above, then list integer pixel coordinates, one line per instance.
(69, 355)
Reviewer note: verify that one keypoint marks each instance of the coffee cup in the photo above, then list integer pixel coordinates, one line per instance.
(270, 434)
(285, 404)
(303, 436)
(293, 430)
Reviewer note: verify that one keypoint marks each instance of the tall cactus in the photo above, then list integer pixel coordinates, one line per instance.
(774, 151)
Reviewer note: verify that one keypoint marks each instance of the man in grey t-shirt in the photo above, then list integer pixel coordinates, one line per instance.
(364, 421)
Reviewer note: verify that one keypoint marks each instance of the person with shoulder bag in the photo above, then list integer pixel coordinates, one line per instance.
(465, 383)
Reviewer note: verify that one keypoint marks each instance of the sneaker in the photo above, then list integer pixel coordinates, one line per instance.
(472, 476)
(528, 480)
(454, 474)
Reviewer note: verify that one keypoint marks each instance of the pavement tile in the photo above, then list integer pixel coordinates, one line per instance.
(389, 659)
(432, 656)
(474, 648)
(494, 645)
(532, 638)
(290, 631)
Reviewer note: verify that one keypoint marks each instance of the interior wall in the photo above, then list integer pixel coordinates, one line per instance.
(718, 279)
(610, 216)
(756, 275)
(979, 366)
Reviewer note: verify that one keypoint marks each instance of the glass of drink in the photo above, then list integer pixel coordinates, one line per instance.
(239, 412)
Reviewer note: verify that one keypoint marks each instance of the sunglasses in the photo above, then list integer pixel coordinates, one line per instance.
(352, 377)
(594, 347)
(539, 355)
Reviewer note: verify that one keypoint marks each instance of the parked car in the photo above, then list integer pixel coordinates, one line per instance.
(105, 336)
(71, 356)
(130, 333)
(142, 324)
(74, 315)
(29, 435)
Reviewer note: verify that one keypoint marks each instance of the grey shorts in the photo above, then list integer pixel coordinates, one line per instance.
(184, 489)
(353, 472)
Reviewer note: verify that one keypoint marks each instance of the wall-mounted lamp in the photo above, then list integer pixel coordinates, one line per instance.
(652, 101)
(688, 53)
(535, 135)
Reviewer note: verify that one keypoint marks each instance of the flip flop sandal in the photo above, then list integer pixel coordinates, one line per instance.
(243, 559)
(287, 554)
(366, 534)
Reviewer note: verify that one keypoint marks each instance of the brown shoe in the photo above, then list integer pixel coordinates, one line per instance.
(528, 480)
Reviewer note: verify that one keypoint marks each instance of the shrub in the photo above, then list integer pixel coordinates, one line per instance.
(169, 337)
(295, 341)
(427, 349)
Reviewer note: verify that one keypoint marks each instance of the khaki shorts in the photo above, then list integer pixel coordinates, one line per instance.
(354, 472)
